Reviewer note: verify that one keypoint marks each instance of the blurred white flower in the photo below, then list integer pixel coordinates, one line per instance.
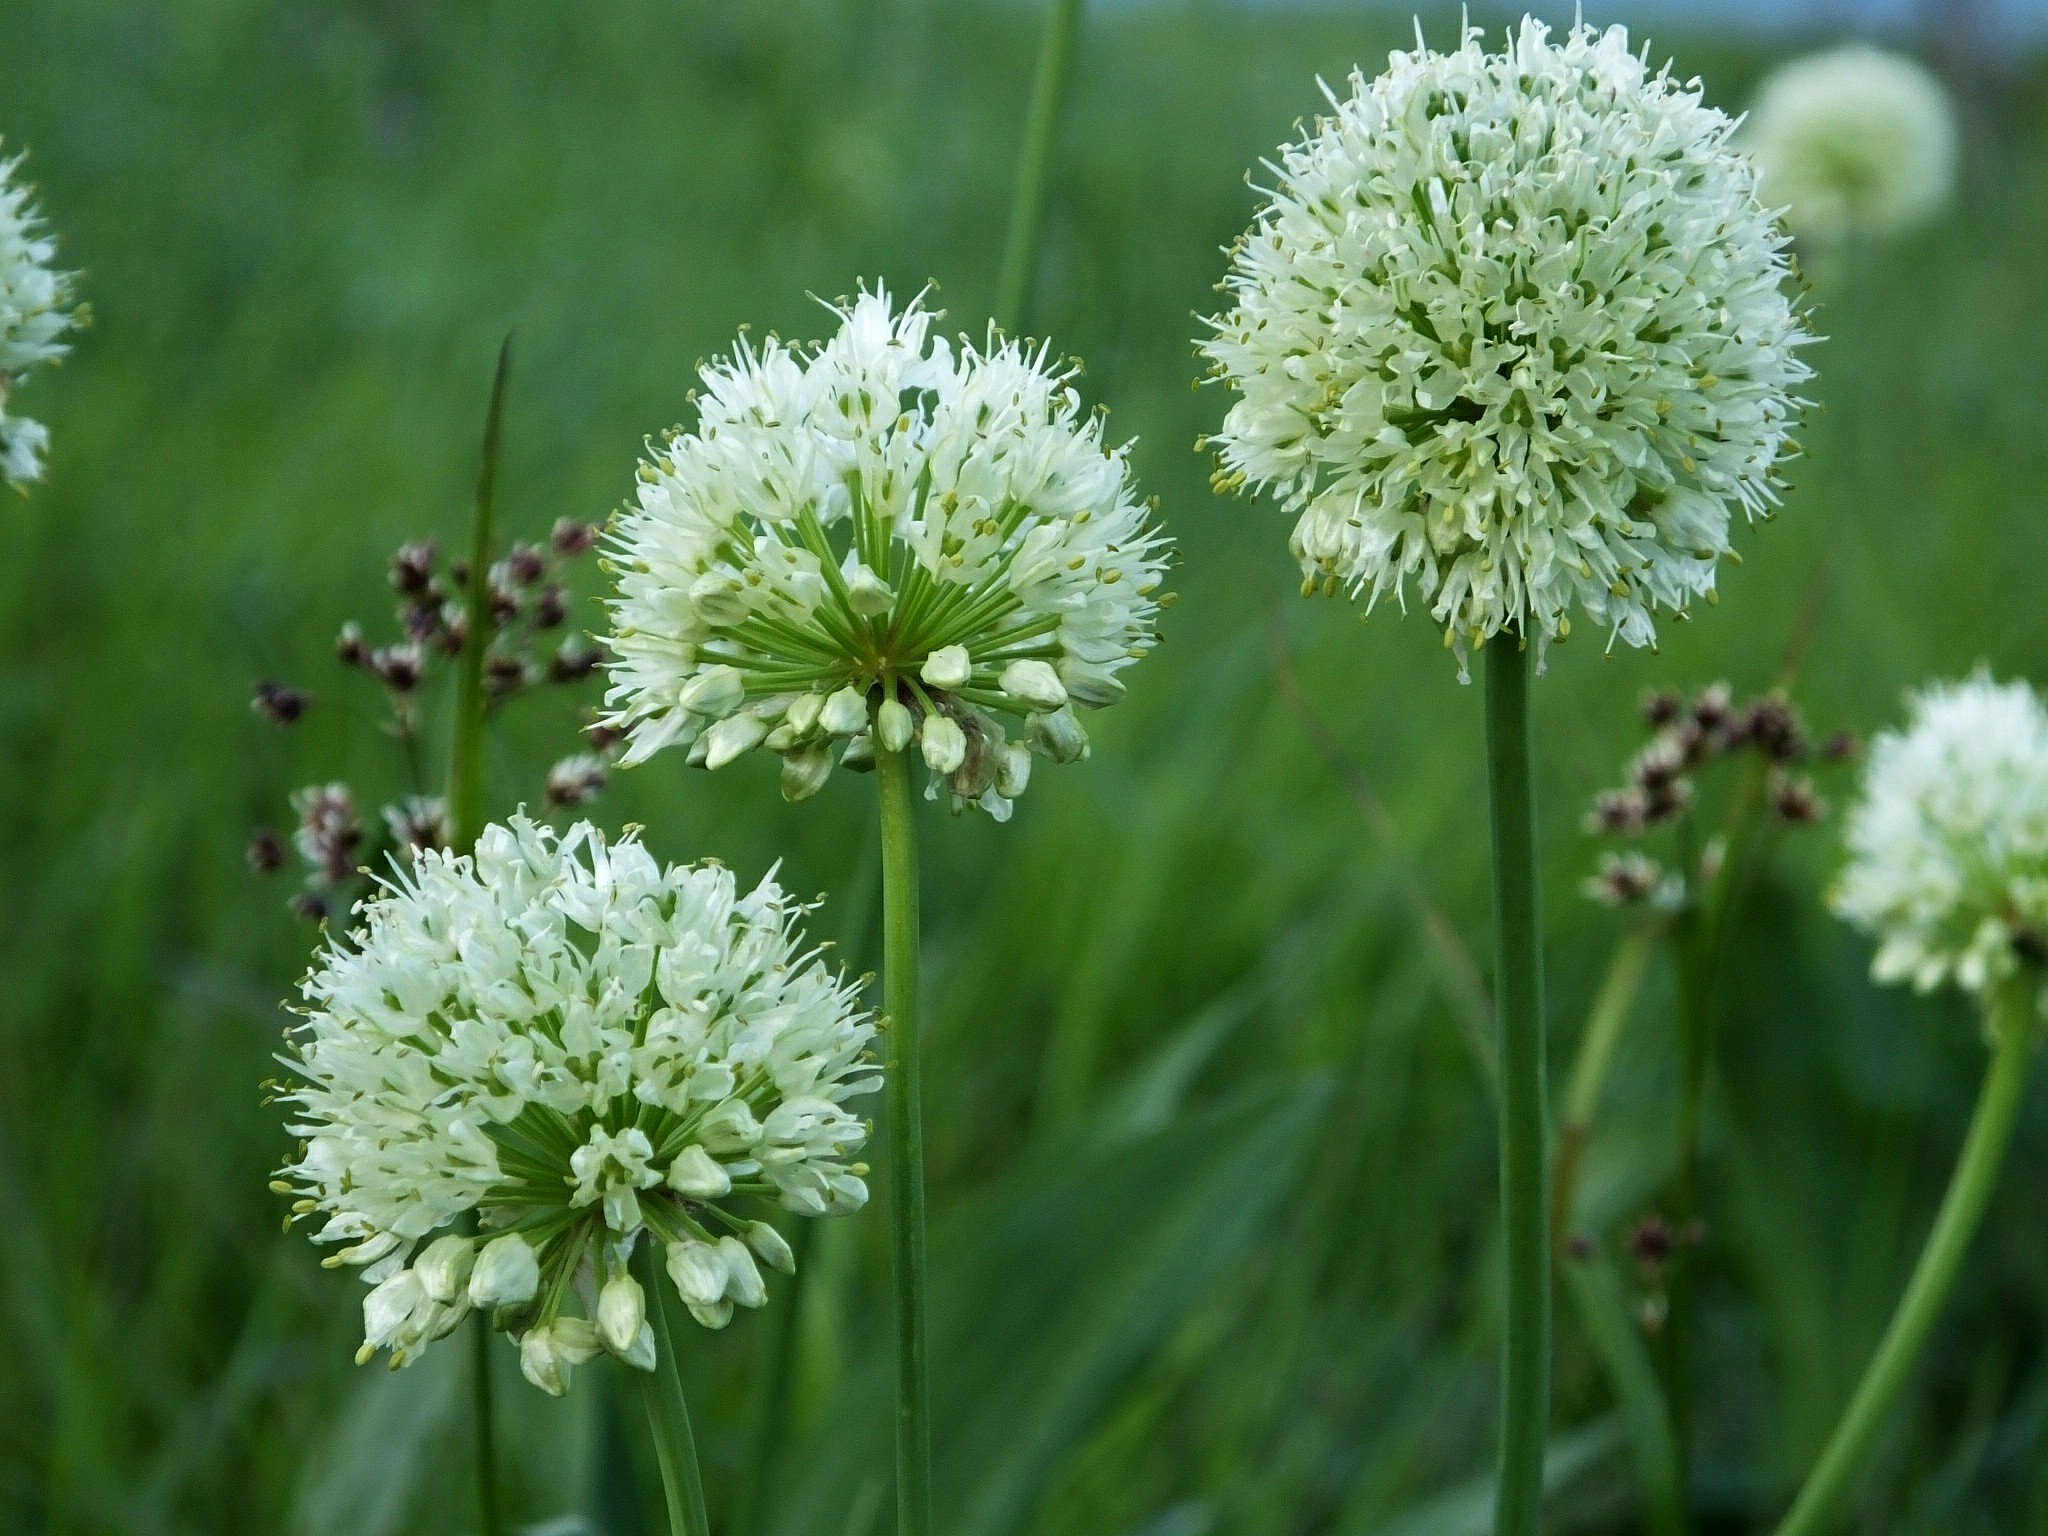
(35, 313)
(1948, 841)
(1513, 327)
(567, 1049)
(879, 521)
(1854, 141)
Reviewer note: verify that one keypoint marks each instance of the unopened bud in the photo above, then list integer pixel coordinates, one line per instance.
(714, 691)
(845, 713)
(1059, 736)
(894, 725)
(1034, 684)
(805, 770)
(541, 1364)
(771, 1246)
(743, 1280)
(730, 737)
(1013, 770)
(1089, 687)
(698, 1271)
(445, 1265)
(506, 1273)
(699, 1175)
(944, 743)
(866, 593)
(621, 1312)
(948, 667)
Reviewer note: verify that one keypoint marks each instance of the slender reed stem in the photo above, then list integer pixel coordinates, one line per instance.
(465, 755)
(1597, 1044)
(1034, 164)
(906, 1143)
(668, 1416)
(1518, 991)
(465, 822)
(2014, 1032)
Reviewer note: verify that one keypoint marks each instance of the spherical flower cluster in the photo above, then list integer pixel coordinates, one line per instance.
(1513, 327)
(525, 1062)
(35, 313)
(878, 541)
(1854, 142)
(1948, 842)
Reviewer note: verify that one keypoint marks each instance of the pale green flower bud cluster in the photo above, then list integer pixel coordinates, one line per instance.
(1854, 142)
(524, 1063)
(882, 539)
(1513, 328)
(35, 314)
(1948, 841)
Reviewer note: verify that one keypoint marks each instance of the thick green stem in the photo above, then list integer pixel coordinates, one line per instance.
(1034, 164)
(668, 1416)
(906, 1142)
(2013, 1032)
(490, 1518)
(465, 754)
(1518, 992)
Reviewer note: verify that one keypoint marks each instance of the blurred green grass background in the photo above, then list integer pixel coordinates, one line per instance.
(1213, 1169)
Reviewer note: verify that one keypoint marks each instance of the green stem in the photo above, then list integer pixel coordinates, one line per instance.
(2013, 1035)
(1518, 954)
(1034, 163)
(668, 1416)
(465, 756)
(773, 1391)
(906, 1142)
(490, 1518)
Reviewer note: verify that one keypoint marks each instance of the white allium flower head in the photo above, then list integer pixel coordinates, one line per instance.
(1948, 841)
(35, 313)
(1513, 327)
(1856, 141)
(524, 1063)
(882, 534)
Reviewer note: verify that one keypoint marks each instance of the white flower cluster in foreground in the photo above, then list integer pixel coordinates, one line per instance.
(1513, 328)
(526, 1062)
(35, 313)
(1856, 141)
(1948, 843)
(881, 538)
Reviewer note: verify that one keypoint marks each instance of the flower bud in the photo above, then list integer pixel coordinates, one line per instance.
(743, 1279)
(576, 1339)
(947, 667)
(802, 715)
(699, 1175)
(1034, 684)
(844, 714)
(621, 1312)
(540, 1364)
(713, 1315)
(640, 1354)
(771, 1246)
(866, 593)
(1059, 736)
(805, 770)
(894, 725)
(1013, 770)
(945, 744)
(1095, 690)
(730, 737)
(444, 1266)
(698, 1271)
(390, 1308)
(506, 1273)
(714, 691)
(859, 754)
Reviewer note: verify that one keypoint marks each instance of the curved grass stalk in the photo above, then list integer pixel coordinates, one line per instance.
(2014, 1033)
